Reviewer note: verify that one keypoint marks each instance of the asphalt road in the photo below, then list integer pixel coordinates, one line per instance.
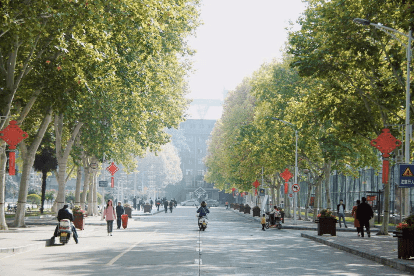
(170, 244)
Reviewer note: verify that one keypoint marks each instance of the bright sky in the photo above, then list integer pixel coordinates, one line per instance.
(237, 37)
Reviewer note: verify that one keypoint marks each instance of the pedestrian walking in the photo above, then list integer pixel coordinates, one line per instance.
(110, 215)
(364, 213)
(354, 215)
(119, 212)
(165, 205)
(263, 222)
(171, 206)
(341, 212)
(227, 205)
(158, 203)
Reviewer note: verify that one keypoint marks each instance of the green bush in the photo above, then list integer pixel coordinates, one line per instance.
(34, 199)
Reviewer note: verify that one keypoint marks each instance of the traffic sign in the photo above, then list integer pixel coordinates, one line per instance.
(295, 188)
(103, 184)
(290, 195)
(406, 176)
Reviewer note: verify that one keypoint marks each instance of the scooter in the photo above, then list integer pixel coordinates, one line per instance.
(202, 223)
(65, 231)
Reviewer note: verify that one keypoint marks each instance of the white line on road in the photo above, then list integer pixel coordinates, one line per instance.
(126, 251)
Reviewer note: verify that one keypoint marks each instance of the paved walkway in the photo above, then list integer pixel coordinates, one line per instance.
(378, 248)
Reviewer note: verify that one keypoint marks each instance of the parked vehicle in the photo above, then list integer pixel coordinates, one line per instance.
(191, 202)
(212, 203)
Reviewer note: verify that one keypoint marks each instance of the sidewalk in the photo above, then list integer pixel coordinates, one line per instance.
(377, 248)
(39, 230)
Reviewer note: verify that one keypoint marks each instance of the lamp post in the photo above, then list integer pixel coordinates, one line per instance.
(392, 33)
(296, 165)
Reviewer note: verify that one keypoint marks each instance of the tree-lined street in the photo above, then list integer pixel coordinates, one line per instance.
(168, 244)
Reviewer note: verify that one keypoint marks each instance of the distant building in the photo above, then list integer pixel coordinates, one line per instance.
(196, 133)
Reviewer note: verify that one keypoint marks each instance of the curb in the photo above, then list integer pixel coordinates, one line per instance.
(394, 263)
(26, 248)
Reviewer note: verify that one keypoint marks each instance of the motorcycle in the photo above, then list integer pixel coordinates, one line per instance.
(64, 231)
(202, 223)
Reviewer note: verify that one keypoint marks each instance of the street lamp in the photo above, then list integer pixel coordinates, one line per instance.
(296, 165)
(392, 33)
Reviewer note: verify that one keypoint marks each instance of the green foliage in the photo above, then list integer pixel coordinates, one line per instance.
(33, 199)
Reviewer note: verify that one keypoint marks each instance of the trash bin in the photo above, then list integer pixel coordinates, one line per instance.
(124, 219)
(247, 209)
(256, 211)
(147, 208)
(128, 211)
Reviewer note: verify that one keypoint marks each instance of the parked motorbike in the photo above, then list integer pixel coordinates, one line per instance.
(65, 231)
(202, 223)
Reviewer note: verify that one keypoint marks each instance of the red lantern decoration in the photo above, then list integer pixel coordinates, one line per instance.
(112, 169)
(286, 175)
(233, 189)
(385, 143)
(12, 135)
(256, 184)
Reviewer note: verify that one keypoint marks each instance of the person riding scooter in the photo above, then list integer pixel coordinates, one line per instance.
(64, 213)
(203, 210)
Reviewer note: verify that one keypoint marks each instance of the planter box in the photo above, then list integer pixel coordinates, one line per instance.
(128, 211)
(256, 211)
(79, 221)
(326, 226)
(247, 209)
(405, 243)
(241, 208)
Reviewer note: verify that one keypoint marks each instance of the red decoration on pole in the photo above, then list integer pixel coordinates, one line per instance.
(112, 169)
(385, 143)
(286, 175)
(256, 184)
(233, 189)
(12, 135)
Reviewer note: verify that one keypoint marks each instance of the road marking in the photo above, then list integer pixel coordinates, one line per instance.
(199, 242)
(111, 262)
(199, 249)
(198, 261)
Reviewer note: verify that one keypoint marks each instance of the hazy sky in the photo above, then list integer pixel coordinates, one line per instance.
(236, 38)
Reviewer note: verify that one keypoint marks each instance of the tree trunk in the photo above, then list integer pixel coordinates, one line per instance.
(95, 193)
(86, 180)
(42, 201)
(3, 161)
(62, 155)
(317, 197)
(384, 227)
(78, 186)
(28, 161)
(90, 198)
(327, 180)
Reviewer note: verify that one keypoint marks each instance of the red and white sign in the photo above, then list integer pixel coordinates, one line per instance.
(295, 188)
(290, 195)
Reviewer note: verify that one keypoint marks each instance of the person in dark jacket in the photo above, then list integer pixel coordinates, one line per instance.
(364, 213)
(171, 205)
(341, 212)
(65, 213)
(203, 210)
(119, 212)
(165, 205)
